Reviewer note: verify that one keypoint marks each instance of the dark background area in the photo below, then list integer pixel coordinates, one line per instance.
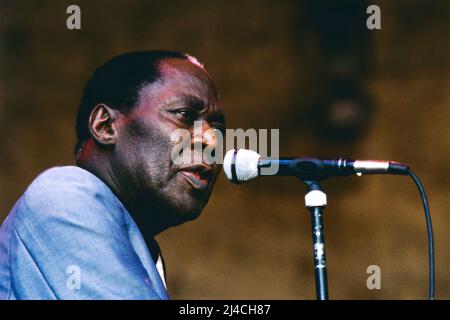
(311, 69)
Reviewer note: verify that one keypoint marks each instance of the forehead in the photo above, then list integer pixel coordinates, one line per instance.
(180, 81)
(183, 77)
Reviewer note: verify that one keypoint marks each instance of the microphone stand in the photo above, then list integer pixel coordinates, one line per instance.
(315, 201)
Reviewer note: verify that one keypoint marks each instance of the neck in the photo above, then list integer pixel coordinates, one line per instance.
(147, 214)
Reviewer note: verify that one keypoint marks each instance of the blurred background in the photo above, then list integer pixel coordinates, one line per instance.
(309, 68)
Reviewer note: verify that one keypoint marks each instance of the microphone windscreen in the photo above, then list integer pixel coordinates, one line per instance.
(241, 165)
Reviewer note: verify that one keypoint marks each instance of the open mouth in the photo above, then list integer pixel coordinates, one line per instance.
(197, 176)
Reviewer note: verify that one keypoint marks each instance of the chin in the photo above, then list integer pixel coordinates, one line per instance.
(186, 212)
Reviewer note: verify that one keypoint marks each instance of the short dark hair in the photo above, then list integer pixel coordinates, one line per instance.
(117, 84)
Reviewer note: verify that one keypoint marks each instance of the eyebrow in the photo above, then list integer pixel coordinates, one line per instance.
(194, 102)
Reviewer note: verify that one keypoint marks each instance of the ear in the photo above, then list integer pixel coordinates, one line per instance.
(102, 126)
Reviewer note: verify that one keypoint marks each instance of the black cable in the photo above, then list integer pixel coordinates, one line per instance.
(429, 230)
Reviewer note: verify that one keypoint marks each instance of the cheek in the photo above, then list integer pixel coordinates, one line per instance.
(146, 152)
(148, 138)
(155, 159)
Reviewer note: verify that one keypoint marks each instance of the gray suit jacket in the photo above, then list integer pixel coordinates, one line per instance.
(69, 237)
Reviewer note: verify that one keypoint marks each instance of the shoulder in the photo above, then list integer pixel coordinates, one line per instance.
(65, 179)
(68, 193)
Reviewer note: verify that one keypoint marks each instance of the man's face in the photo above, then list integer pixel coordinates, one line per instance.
(185, 94)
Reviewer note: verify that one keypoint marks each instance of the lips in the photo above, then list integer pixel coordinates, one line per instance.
(198, 176)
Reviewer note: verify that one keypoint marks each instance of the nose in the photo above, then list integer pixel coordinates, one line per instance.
(204, 135)
(205, 140)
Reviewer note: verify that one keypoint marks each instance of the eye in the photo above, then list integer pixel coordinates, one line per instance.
(188, 114)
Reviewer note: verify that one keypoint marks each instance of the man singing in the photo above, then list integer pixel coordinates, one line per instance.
(87, 231)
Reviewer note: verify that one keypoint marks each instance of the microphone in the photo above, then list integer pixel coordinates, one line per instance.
(244, 165)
